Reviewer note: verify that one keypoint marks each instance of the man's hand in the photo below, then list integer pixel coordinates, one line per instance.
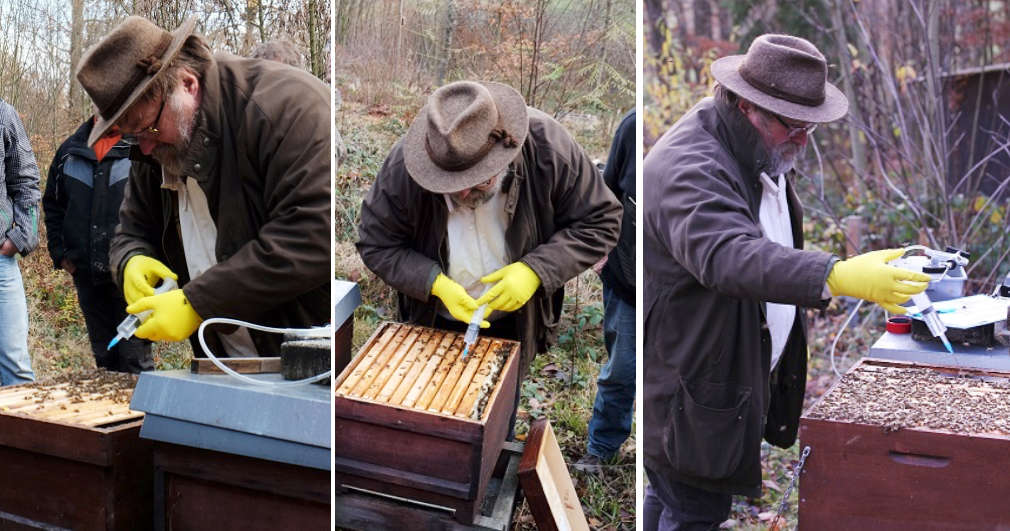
(459, 303)
(68, 266)
(8, 248)
(172, 317)
(869, 277)
(516, 283)
(141, 275)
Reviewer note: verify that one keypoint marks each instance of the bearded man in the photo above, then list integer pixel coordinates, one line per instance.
(229, 192)
(486, 201)
(725, 275)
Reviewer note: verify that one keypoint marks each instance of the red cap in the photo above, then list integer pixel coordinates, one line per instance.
(899, 324)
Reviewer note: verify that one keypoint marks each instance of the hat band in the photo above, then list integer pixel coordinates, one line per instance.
(142, 69)
(776, 92)
(450, 164)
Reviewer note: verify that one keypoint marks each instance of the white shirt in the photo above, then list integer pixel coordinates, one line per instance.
(774, 217)
(476, 238)
(199, 237)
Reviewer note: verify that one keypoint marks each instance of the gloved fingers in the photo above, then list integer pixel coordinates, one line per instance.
(462, 311)
(494, 277)
(897, 310)
(140, 305)
(492, 293)
(149, 330)
(157, 273)
(134, 290)
(889, 254)
(512, 305)
(905, 274)
(897, 298)
(910, 288)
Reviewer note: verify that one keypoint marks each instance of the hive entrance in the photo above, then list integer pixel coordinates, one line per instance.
(421, 368)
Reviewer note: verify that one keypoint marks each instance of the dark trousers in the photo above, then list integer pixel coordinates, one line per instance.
(673, 506)
(104, 308)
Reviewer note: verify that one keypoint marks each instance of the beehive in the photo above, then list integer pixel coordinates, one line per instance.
(97, 399)
(415, 419)
(424, 369)
(78, 431)
(897, 445)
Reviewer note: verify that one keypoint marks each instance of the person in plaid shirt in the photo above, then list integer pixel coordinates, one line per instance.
(19, 219)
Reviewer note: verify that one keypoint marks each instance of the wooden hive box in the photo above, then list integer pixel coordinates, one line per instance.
(403, 411)
(72, 460)
(899, 445)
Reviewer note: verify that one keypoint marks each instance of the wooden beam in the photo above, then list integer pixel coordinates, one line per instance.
(239, 365)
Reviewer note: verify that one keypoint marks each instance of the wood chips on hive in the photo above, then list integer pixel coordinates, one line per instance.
(92, 398)
(919, 397)
(422, 368)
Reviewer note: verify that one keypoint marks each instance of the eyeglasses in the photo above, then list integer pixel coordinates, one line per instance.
(794, 130)
(134, 137)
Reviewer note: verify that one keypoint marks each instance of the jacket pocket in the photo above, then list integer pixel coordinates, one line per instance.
(706, 431)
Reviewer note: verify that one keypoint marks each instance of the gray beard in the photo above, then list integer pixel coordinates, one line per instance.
(782, 158)
(172, 157)
(476, 197)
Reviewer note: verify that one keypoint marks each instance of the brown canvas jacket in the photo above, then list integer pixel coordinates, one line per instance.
(562, 219)
(261, 153)
(708, 395)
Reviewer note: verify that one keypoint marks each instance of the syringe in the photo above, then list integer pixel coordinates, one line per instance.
(129, 325)
(931, 318)
(470, 337)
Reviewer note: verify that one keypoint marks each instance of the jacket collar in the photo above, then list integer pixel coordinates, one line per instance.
(77, 144)
(207, 131)
(742, 140)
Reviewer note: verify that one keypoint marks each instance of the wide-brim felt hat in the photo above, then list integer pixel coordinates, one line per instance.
(786, 75)
(117, 70)
(466, 133)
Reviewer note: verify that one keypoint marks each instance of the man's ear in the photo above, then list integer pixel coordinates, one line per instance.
(743, 105)
(190, 83)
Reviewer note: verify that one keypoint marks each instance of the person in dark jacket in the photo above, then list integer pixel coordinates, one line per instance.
(229, 192)
(610, 424)
(81, 205)
(725, 277)
(486, 201)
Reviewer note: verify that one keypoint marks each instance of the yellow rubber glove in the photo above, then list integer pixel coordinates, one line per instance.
(459, 303)
(141, 275)
(516, 283)
(172, 319)
(868, 277)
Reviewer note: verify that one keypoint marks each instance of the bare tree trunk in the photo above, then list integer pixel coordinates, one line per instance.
(76, 33)
(399, 34)
(316, 65)
(450, 28)
(716, 22)
(855, 116)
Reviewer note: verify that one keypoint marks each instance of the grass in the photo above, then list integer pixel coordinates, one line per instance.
(555, 387)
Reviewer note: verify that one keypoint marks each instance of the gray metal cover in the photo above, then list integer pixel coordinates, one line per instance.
(902, 347)
(346, 297)
(221, 413)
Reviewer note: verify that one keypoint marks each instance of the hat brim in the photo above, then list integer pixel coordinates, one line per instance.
(726, 71)
(179, 36)
(429, 176)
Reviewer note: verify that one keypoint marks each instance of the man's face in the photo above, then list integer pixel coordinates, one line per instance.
(784, 138)
(480, 194)
(163, 126)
